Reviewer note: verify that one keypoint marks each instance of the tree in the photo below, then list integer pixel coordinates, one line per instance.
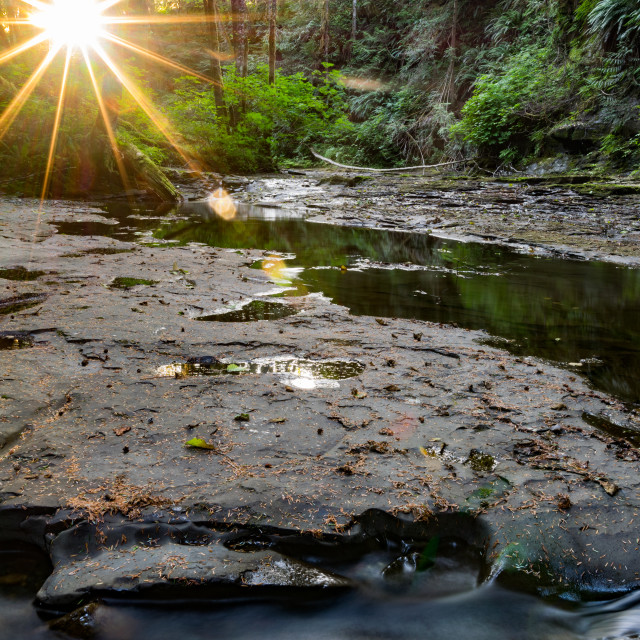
(273, 14)
(354, 21)
(239, 22)
(325, 30)
(211, 13)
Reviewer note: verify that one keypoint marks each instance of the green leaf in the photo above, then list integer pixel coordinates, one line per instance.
(242, 417)
(199, 443)
(236, 368)
(428, 556)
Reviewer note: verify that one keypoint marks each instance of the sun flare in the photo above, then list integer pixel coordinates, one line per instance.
(71, 23)
(93, 30)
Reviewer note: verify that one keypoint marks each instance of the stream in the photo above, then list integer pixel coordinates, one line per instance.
(578, 314)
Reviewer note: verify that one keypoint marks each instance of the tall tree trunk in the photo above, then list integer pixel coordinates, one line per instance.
(354, 20)
(240, 48)
(273, 13)
(211, 13)
(325, 30)
(239, 12)
(449, 92)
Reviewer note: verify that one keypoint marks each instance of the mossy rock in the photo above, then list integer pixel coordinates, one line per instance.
(347, 181)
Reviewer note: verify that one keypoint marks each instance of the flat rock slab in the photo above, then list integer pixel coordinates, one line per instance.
(561, 215)
(434, 428)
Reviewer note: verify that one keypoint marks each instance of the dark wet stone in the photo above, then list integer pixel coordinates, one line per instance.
(254, 310)
(129, 283)
(612, 428)
(80, 623)
(20, 302)
(100, 251)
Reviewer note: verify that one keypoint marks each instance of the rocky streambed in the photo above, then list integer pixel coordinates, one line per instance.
(172, 431)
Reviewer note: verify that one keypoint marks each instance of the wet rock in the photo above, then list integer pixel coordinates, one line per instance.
(80, 623)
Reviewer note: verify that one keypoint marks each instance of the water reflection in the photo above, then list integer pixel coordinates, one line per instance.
(297, 372)
(566, 311)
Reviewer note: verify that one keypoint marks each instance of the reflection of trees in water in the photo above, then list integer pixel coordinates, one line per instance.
(591, 307)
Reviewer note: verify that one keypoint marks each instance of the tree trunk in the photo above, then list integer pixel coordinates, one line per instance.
(148, 175)
(273, 12)
(239, 12)
(325, 30)
(211, 13)
(354, 21)
(449, 93)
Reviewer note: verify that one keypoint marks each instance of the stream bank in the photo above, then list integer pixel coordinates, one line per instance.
(574, 216)
(317, 437)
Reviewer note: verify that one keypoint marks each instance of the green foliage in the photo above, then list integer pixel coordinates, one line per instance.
(615, 22)
(278, 122)
(507, 108)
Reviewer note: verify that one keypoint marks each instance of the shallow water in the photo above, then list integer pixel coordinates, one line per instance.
(394, 595)
(583, 315)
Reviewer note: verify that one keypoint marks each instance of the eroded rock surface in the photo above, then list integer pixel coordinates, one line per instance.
(435, 436)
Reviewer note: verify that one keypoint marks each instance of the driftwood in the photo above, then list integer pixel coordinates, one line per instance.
(420, 166)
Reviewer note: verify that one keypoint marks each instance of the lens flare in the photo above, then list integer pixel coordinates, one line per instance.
(72, 23)
(222, 203)
(81, 26)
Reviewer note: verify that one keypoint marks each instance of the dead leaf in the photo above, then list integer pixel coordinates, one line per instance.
(120, 431)
(277, 420)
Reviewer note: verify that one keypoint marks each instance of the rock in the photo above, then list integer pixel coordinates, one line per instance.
(79, 624)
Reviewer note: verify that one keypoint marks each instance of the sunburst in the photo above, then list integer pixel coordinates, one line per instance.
(83, 27)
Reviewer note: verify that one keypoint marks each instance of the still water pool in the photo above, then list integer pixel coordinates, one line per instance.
(582, 315)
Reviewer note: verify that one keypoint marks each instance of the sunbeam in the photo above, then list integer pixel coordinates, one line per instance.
(82, 26)
(15, 106)
(56, 126)
(156, 57)
(21, 48)
(154, 115)
(107, 122)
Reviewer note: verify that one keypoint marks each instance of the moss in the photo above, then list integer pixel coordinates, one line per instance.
(601, 189)
(128, 283)
(481, 461)
(20, 273)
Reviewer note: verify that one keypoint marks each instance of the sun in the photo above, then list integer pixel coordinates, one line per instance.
(71, 23)
(84, 27)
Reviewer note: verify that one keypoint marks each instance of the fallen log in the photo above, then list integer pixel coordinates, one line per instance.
(149, 175)
(419, 166)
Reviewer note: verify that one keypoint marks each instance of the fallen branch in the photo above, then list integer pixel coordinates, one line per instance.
(420, 166)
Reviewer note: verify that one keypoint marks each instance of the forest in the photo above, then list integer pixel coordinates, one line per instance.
(247, 86)
(319, 319)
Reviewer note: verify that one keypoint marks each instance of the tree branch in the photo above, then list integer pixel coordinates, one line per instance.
(420, 166)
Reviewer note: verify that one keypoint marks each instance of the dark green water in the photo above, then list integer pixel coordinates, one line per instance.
(566, 311)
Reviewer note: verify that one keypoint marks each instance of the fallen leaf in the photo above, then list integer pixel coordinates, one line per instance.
(392, 387)
(384, 323)
(120, 431)
(199, 443)
(277, 420)
(242, 417)
(356, 393)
